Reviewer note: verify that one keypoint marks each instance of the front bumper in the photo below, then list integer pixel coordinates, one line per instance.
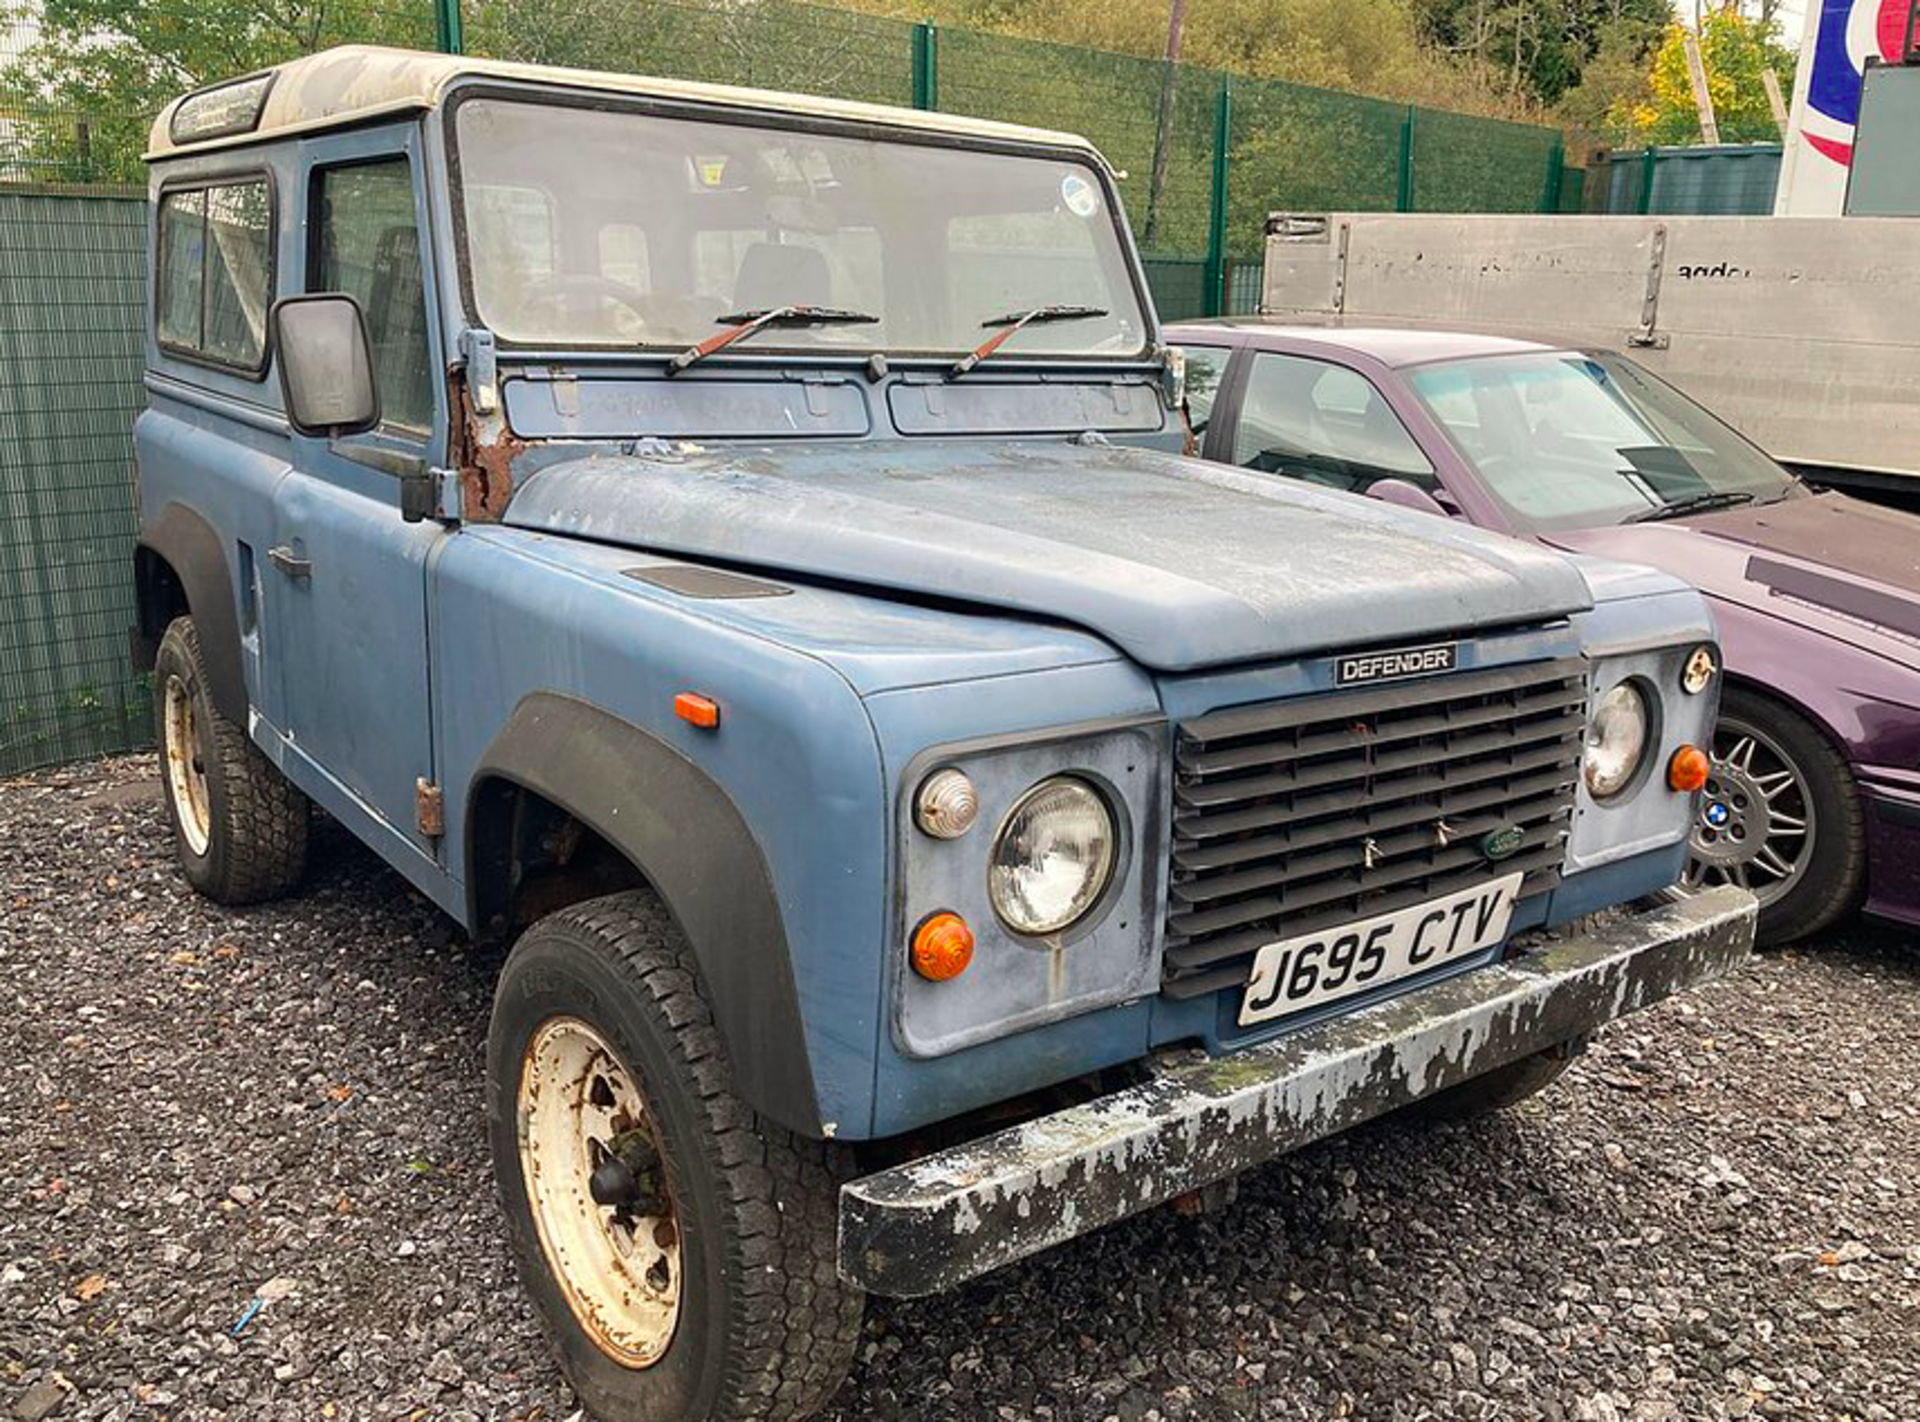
(937, 1221)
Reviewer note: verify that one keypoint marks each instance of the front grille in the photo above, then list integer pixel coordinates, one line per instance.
(1294, 816)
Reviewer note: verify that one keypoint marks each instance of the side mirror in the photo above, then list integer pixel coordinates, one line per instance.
(326, 364)
(1407, 495)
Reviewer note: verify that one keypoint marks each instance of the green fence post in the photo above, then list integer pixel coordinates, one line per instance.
(1556, 173)
(1213, 300)
(1647, 165)
(446, 20)
(926, 67)
(1404, 202)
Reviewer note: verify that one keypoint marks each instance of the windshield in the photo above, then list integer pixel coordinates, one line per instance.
(1566, 440)
(605, 227)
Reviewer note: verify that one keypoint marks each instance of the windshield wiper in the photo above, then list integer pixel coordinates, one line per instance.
(742, 324)
(1014, 321)
(1697, 503)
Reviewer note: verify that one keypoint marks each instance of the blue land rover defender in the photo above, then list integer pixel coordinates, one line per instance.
(741, 546)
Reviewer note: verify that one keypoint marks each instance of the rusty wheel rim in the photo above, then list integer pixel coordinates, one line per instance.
(618, 1267)
(185, 766)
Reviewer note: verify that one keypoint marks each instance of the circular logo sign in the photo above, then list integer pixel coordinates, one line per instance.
(1502, 843)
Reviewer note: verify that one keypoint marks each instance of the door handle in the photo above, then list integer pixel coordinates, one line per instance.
(288, 562)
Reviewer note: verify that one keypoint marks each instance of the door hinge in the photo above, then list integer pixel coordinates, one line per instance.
(483, 371)
(429, 808)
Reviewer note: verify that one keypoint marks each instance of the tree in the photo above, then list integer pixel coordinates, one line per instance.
(1736, 50)
(1539, 47)
(1614, 81)
(93, 73)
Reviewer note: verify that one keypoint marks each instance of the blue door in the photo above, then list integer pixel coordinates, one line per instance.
(349, 571)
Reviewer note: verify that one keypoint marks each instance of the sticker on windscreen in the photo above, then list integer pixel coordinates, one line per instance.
(1081, 197)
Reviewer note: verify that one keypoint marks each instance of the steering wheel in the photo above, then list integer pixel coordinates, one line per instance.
(561, 287)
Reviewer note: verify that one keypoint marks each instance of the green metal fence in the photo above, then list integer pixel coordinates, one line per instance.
(71, 283)
(1204, 157)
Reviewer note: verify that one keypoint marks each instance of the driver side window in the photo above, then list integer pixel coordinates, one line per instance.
(367, 244)
(1324, 424)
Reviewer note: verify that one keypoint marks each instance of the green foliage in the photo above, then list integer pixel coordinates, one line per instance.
(1615, 79)
(1540, 48)
(84, 87)
(1735, 51)
(1371, 47)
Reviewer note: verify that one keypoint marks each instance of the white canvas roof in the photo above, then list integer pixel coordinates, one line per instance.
(353, 83)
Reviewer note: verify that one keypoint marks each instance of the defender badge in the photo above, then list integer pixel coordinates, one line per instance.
(1392, 666)
(1502, 843)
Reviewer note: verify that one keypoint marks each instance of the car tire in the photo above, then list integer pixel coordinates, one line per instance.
(1827, 857)
(239, 826)
(1498, 1089)
(602, 1047)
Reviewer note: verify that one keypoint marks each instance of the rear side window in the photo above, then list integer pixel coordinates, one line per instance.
(367, 244)
(215, 273)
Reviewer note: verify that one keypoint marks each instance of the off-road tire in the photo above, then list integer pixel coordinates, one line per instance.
(1831, 885)
(1498, 1089)
(256, 820)
(766, 1329)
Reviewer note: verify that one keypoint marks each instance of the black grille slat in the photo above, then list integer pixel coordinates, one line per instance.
(1386, 874)
(1207, 826)
(1291, 817)
(1277, 715)
(1328, 772)
(1551, 699)
(1393, 852)
(1311, 833)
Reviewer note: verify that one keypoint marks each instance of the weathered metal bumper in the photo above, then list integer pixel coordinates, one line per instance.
(937, 1221)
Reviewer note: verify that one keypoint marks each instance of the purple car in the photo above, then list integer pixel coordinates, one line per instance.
(1814, 800)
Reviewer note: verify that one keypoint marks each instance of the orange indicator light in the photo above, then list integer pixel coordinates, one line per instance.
(696, 710)
(1688, 769)
(942, 947)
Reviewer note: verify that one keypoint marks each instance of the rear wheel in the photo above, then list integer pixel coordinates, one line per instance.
(682, 1252)
(239, 826)
(1780, 815)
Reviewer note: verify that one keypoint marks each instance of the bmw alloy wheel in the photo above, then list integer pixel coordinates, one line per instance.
(1756, 825)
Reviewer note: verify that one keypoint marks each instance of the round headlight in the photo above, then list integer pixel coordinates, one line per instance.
(1616, 740)
(1052, 858)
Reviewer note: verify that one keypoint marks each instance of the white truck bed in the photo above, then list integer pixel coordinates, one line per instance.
(1803, 332)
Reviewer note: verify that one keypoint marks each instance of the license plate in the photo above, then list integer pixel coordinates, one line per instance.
(1315, 968)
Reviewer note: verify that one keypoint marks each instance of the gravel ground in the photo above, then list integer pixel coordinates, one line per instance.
(244, 1176)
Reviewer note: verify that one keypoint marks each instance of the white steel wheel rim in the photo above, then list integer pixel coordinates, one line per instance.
(186, 770)
(620, 1272)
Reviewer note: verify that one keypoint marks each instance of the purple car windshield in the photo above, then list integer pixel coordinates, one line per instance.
(1570, 440)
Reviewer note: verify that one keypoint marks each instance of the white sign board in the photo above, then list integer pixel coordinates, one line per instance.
(1842, 35)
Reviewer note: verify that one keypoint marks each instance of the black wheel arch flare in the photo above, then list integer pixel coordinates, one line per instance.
(690, 842)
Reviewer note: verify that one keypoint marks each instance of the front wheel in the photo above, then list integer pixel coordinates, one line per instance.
(1780, 815)
(681, 1251)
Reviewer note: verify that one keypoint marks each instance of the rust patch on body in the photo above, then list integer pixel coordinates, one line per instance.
(484, 451)
(429, 808)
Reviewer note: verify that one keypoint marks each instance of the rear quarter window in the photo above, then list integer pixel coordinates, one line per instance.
(214, 273)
